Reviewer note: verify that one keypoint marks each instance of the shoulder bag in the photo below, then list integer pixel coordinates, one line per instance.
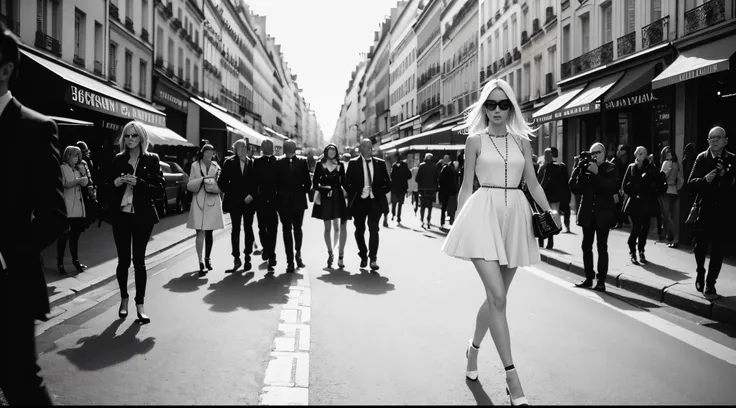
(543, 222)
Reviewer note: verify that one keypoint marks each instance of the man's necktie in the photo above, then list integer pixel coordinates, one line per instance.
(291, 164)
(370, 176)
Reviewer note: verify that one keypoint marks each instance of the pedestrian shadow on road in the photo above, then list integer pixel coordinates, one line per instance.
(185, 283)
(480, 395)
(365, 282)
(239, 291)
(665, 272)
(108, 349)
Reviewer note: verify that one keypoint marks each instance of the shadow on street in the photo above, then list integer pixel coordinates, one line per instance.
(108, 349)
(186, 283)
(236, 291)
(480, 395)
(367, 283)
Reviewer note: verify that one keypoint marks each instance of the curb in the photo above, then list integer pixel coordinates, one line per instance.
(717, 309)
(85, 287)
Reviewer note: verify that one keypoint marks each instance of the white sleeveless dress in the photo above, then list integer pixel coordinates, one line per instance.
(495, 224)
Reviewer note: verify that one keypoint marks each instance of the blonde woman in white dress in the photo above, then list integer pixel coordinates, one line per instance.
(493, 228)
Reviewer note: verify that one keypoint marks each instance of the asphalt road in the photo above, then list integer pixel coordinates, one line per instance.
(395, 337)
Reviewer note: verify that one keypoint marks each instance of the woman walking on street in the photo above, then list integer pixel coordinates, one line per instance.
(205, 214)
(74, 177)
(135, 179)
(494, 226)
(640, 184)
(673, 173)
(331, 206)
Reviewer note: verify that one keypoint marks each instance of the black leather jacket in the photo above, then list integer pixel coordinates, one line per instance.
(597, 207)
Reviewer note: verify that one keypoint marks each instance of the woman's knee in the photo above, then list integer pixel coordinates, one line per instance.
(496, 299)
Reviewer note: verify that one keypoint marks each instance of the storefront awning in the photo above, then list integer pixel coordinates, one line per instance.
(633, 88)
(233, 124)
(547, 113)
(414, 139)
(697, 62)
(89, 93)
(158, 135)
(70, 122)
(275, 133)
(589, 100)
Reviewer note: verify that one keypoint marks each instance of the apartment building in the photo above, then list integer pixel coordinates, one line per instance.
(500, 40)
(404, 120)
(382, 78)
(429, 85)
(130, 53)
(460, 83)
(347, 129)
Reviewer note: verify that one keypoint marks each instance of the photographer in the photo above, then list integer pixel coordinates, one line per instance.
(712, 179)
(596, 181)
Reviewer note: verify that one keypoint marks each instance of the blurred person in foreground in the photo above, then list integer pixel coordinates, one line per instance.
(30, 223)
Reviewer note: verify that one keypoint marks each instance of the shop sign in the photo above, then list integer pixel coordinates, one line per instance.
(578, 110)
(699, 72)
(99, 103)
(168, 97)
(631, 101)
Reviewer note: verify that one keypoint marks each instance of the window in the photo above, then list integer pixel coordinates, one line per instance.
(80, 21)
(551, 63)
(606, 26)
(537, 76)
(128, 70)
(566, 43)
(518, 83)
(170, 62)
(514, 26)
(144, 15)
(629, 16)
(187, 67)
(143, 75)
(159, 42)
(656, 10)
(585, 33)
(129, 9)
(113, 62)
(505, 40)
(181, 60)
(527, 83)
(99, 37)
(49, 25)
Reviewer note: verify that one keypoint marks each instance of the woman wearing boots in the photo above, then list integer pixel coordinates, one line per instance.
(135, 179)
(640, 184)
(329, 175)
(673, 173)
(205, 214)
(74, 177)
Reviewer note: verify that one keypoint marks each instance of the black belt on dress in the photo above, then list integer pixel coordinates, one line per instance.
(501, 187)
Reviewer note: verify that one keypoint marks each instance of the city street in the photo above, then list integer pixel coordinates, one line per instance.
(393, 337)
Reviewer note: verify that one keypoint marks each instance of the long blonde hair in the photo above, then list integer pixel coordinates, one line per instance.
(476, 120)
(140, 129)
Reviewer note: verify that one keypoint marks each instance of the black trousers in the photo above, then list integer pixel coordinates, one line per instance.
(601, 237)
(243, 213)
(565, 213)
(128, 229)
(291, 223)
(717, 243)
(639, 232)
(268, 223)
(445, 201)
(415, 200)
(76, 227)
(369, 209)
(20, 374)
(397, 199)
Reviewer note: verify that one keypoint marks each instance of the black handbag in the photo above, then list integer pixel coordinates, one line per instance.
(543, 222)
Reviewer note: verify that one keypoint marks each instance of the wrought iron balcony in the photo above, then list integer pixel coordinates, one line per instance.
(77, 60)
(593, 59)
(655, 33)
(129, 25)
(14, 26)
(144, 34)
(176, 23)
(626, 44)
(114, 12)
(48, 43)
(710, 13)
(98, 68)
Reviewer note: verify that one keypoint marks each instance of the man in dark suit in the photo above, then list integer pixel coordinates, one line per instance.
(367, 183)
(448, 189)
(266, 209)
(31, 221)
(400, 175)
(238, 182)
(293, 185)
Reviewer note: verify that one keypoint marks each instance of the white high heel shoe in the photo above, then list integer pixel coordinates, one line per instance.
(470, 375)
(515, 402)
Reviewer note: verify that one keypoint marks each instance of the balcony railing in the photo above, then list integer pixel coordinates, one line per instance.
(626, 44)
(98, 68)
(129, 25)
(114, 12)
(176, 23)
(482, 30)
(77, 60)
(14, 26)
(565, 4)
(128, 87)
(509, 58)
(710, 13)
(593, 59)
(655, 33)
(489, 70)
(144, 34)
(482, 75)
(489, 23)
(48, 43)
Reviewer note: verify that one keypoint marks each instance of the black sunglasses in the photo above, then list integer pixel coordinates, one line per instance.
(504, 104)
(132, 136)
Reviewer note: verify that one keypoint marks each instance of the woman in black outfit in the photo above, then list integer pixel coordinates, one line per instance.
(640, 184)
(134, 180)
(329, 175)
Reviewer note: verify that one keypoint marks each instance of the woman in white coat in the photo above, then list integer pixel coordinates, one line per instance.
(205, 213)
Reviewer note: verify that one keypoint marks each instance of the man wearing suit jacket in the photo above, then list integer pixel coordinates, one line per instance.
(400, 175)
(367, 183)
(266, 204)
(238, 182)
(293, 184)
(31, 221)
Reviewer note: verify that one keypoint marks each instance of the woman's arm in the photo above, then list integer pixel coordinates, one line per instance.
(153, 182)
(471, 152)
(535, 189)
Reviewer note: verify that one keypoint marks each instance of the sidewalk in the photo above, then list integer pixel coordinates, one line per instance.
(97, 251)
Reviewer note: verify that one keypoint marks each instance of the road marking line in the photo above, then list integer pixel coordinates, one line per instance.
(287, 376)
(704, 344)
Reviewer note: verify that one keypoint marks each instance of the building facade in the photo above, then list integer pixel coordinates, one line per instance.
(459, 31)
(403, 71)
(429, 84)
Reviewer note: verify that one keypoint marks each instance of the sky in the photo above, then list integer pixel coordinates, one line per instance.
(321, 41)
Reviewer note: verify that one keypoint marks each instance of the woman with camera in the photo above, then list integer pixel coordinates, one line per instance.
(74, 176)
(640, 185)
(134, 180)
(205, 214)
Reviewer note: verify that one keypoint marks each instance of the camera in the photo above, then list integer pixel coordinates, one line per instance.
(726, 166)
(585, 159)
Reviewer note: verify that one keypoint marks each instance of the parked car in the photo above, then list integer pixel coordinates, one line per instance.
(175, 195)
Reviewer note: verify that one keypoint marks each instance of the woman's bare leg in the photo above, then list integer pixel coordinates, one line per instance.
(199, 244)
(328, 237)
(335, 232)
(343, 235)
